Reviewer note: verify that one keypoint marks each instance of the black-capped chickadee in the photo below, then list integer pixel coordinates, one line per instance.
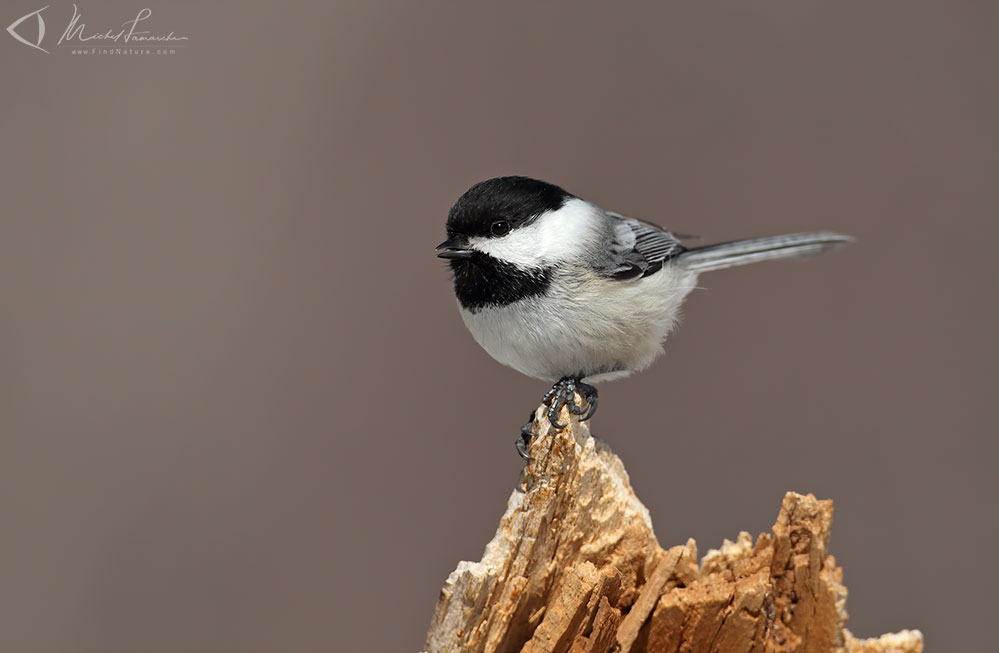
(562, 290)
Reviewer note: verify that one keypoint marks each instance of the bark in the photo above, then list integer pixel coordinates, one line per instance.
(575, 567)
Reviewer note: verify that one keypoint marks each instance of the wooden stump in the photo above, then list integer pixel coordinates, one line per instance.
(575, 567)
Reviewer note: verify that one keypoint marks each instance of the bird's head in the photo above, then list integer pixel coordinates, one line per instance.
(518, 221)
(506, 236)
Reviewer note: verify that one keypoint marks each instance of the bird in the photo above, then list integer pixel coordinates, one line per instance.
(566, 292)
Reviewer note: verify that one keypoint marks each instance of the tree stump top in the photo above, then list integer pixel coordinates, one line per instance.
(575, 567)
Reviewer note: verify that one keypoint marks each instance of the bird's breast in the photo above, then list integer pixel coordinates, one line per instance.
(582, 325)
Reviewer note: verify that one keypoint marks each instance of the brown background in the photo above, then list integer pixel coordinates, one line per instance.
(240, 411)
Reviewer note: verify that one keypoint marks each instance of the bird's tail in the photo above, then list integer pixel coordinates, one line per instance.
(740, 252)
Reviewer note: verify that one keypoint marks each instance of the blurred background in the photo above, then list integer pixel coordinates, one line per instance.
(240, 412)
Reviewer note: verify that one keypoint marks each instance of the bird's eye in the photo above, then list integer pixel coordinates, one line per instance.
(500, 228)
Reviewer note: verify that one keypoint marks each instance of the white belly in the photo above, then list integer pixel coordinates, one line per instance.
(599, 329)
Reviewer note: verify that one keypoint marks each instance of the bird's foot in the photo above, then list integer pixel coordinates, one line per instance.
(523, 443)
(563, 394)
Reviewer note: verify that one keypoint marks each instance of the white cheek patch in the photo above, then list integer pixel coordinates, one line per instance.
(554, 237)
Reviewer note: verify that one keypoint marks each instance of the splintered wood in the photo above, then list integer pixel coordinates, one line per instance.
(575, 567)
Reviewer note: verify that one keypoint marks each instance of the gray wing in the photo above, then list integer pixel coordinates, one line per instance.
(638, 249)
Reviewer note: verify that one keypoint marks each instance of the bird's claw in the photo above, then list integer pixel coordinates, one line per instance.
(523, 443)
(563, 393)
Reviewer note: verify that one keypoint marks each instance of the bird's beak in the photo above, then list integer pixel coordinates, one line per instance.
(453, 248)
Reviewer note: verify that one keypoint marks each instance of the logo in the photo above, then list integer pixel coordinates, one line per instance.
(12, 29)
(83, 40)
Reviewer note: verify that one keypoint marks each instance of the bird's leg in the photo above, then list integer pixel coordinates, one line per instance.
(523, 443)
(563, 393)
